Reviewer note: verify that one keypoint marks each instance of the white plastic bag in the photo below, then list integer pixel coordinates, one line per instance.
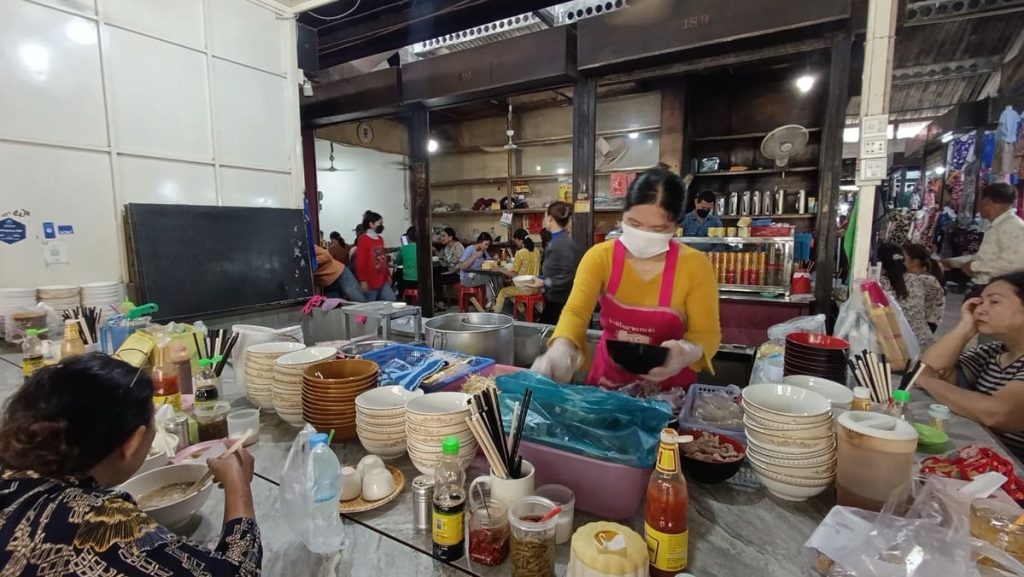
(860, 326)
(810, 324)
(294, 482)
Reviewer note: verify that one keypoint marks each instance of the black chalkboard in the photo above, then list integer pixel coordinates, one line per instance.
(199, 260)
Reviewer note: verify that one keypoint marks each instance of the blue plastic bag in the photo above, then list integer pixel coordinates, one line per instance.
(584, 420)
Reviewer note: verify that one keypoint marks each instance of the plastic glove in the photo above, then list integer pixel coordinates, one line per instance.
(560, 362)
(681, 354)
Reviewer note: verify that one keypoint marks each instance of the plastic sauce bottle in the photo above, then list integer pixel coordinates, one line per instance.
(72, 344)
(326, 531)
(31, 352)
(165, 379)
(449, 503)
(206, 383)
(665, 510)
(900, 407)
(182, 359)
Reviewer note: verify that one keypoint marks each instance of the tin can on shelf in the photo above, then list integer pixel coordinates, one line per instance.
(755, 203)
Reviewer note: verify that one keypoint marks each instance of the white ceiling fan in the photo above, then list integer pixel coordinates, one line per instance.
(508, 132)
(332, 168)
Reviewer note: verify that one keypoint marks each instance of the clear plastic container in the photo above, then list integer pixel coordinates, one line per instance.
(488, 533)
(563, 497)
(212, 420)
(241, 421)
(533, 543)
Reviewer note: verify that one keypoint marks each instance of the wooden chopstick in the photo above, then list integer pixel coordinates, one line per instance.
(231, 451)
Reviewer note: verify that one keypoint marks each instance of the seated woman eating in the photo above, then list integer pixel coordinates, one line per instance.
(70, 434)
(985, 383)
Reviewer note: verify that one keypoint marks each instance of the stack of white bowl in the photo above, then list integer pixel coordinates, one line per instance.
(380, 420)
(432, 418)
(60, 297)
(790, 439)
(286, 389)
(259, 371)
(102, 294)
(13, 300)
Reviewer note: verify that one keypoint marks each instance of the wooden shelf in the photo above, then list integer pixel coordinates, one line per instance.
(609, 209)
(759, 217)
(488, 212)
(726, 173)
(746, 136)
(545, 141)
(611, 171)
(471, 181)
(539, 177)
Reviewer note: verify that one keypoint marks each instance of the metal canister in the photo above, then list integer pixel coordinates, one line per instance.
(720, 205)
(755, 203)
(745, 203)
(422, 502)
(178, 426)
(801, 202)
(766, 203)
(734, 203)
(780, 202)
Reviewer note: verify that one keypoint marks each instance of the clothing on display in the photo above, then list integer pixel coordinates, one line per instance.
(961, 151)
(1009, 123)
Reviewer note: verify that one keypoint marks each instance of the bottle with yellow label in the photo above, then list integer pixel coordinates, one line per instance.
(449, 503)
(665, 510)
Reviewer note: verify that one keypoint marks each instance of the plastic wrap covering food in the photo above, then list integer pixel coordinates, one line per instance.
(587, 421)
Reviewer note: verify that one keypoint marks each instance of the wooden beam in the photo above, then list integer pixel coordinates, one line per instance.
(311, 193)
(418, 121)
(584, 129)
(673, 107)
(830, 167)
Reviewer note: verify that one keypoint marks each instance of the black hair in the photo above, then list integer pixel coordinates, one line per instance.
(891, 257)
(450, 232)
(1015, 279)
(411, 233)
(360, 229)
(921, 253)
(561, 212)
(335, 235)
(523, 235)
(706, 196)
(484, 236)
(70, 416)
(370, 216)
(545, 237)
(658, 186)
(1000, 193)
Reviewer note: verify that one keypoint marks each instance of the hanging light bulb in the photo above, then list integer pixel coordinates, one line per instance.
(805, 83)
(432, 146)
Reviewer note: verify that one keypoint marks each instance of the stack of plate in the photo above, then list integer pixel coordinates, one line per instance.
(429, 420)
(102, 294)
(380, 420)
(13, 300)
(790, 440)
(816, 355)
(329, 392)
(259, 371)
(60, 297)
(286, 389)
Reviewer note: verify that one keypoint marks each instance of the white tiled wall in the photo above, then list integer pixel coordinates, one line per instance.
(105, 102)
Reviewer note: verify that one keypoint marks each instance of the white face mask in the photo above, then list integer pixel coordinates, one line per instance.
(644, 244)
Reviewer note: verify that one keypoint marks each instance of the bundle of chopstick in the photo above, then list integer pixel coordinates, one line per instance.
(88, 319)
(910, 377)
(873, 371)
(486, 423)
(216, 343)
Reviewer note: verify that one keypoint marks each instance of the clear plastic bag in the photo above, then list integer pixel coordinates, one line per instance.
(294, 484)
(588, 421)
(880, 329)
(811, 324)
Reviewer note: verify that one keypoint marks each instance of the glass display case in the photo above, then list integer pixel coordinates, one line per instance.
(749, 264)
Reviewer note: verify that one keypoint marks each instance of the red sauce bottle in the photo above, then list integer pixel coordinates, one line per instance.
(665, 510)
(166, 390)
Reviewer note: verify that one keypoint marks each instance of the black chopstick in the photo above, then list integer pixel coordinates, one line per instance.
(523, 410)
(227, 353)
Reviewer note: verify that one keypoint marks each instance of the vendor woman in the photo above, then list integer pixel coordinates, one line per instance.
(652, 290)
(985, 383)
(69, 435)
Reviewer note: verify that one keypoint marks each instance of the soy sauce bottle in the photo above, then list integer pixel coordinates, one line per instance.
(449, 504)
(206, 383)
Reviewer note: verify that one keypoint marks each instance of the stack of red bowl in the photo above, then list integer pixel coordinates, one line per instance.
(817, 355)
(329, 391)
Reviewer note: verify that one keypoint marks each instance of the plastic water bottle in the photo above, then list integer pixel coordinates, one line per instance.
(326, 531)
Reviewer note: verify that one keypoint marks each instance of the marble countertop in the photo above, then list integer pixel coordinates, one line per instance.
(734, 529)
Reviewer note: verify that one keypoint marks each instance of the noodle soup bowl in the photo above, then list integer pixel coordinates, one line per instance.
(176, 512)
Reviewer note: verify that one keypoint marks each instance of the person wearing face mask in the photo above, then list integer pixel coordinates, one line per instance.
(372, 260)
(697, 222)
(652, 290)
(984, 383)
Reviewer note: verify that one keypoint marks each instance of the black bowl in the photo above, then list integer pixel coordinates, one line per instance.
(710, 472)
(636, 358)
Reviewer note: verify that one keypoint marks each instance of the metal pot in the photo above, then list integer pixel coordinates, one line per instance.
(531, 342)
(488, 335)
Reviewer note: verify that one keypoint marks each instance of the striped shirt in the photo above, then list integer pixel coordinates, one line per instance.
(984, 373)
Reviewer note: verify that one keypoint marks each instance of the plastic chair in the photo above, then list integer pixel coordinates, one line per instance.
(466, 292)
(530, 302)
(411, 296)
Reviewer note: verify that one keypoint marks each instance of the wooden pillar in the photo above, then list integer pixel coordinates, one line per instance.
(673, 106)
(418, 121)
(830, 167)
(584, 128)
(309, 173)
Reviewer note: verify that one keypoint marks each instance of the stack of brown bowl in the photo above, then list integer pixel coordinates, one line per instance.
(329, 392)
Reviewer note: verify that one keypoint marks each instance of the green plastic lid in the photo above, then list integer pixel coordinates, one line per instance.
(901, 396)
(930, 436)
(450, 446)
(205, 362)
(34, 332)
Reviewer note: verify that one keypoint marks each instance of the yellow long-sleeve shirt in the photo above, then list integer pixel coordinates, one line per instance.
(694, 295)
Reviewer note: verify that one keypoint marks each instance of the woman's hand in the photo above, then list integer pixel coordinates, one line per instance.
(560, 362)
(681, 354)
(233, 472)
(363, 286)
(967, 321)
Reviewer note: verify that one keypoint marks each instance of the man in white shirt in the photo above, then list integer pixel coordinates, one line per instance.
(1002, 249)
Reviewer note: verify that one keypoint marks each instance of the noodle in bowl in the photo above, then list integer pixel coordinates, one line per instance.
(162, 494)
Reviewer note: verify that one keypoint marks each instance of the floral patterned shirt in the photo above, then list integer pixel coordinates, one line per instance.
(73, 527)
(924, 299)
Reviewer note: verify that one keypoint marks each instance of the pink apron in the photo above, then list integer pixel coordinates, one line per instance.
(648, 325)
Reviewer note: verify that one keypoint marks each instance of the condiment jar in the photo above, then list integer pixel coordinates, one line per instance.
(861, 399)
(212, 420)
(938, 415)
(533, 543)
(489, 533)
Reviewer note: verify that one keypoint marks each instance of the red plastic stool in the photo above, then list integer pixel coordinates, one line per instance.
(464, 292)
(411, 295)
(530, 302)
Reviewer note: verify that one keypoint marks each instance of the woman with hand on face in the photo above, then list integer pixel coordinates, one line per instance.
(69, 436)
(985, 383)
(653, 290)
